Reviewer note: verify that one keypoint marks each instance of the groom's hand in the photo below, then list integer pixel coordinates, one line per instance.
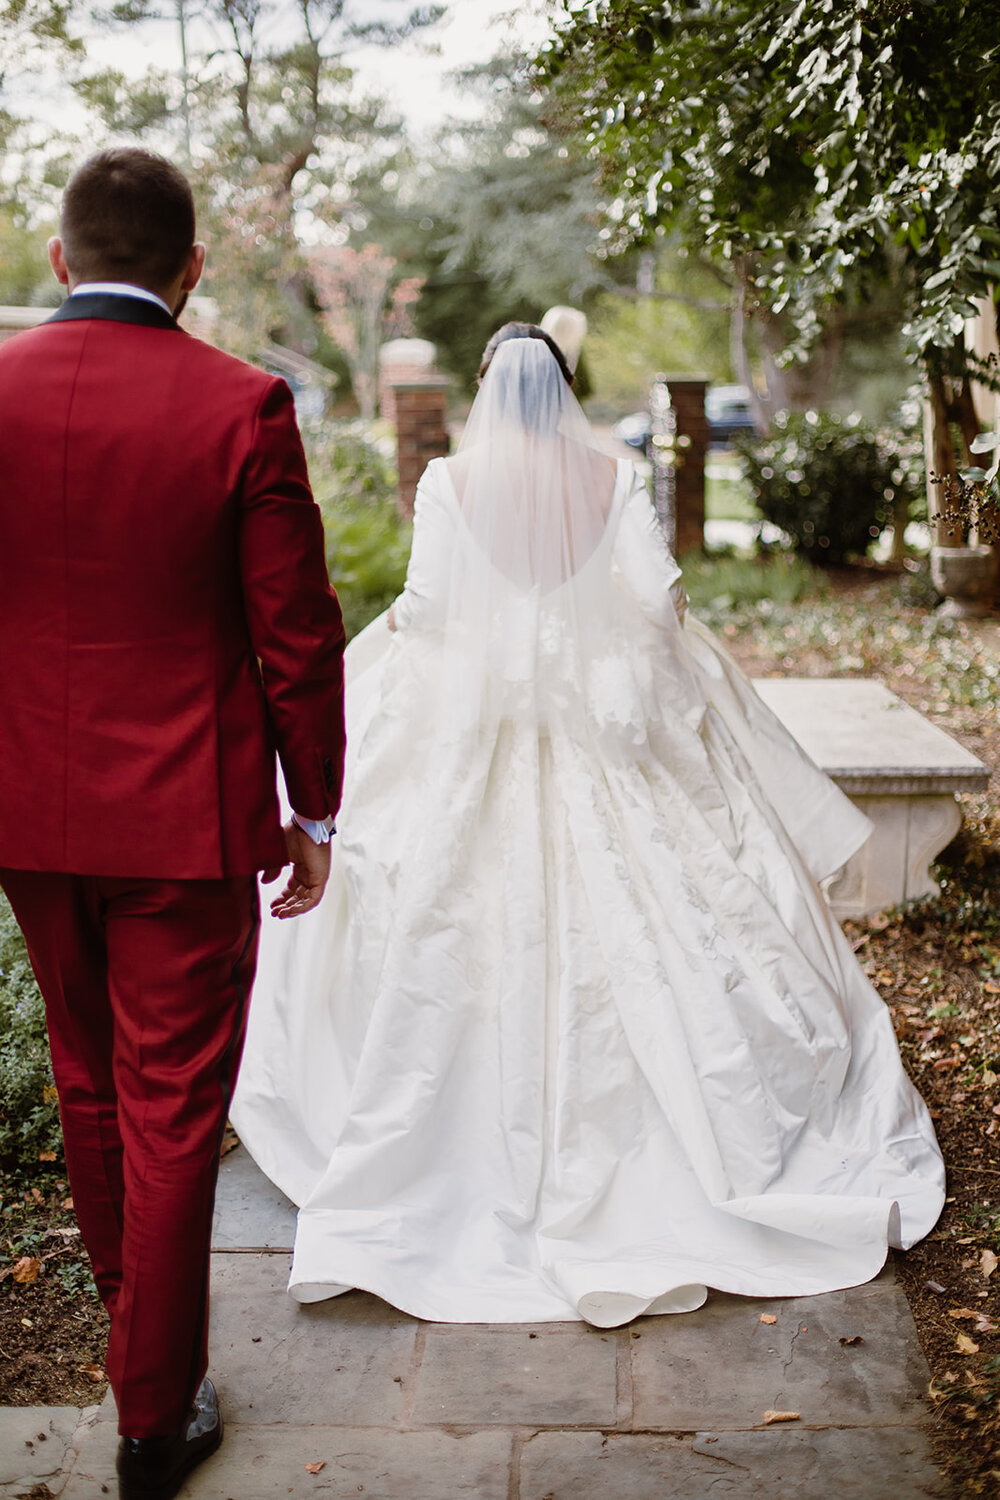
(310, 867)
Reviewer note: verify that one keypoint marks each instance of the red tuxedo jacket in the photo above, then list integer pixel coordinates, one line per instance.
(166, 620)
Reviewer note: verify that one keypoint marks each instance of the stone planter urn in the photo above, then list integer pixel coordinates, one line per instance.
(966, 577)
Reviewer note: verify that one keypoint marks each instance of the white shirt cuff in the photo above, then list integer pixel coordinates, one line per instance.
(319, 830)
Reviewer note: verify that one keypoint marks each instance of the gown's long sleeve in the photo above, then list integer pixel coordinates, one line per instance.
(421, 605)
(643, 559)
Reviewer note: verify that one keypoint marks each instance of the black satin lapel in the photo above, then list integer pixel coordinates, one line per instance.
(113, 309)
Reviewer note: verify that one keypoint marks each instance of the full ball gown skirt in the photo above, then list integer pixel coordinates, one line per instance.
(573, 1032)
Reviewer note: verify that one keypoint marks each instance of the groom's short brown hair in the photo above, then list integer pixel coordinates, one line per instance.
(127, 215)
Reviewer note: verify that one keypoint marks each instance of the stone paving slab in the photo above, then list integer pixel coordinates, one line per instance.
(340, 1361)
(258, 1462)
(779, 1464)
(249, 1209)
(721, 1367)
(489, 1375)
(33, 1445)
(667, 1409)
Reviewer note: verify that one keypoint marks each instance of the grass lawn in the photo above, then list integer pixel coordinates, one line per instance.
(727, 494)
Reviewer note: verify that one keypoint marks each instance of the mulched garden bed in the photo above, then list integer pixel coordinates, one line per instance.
(53, 1329)
(936, 963)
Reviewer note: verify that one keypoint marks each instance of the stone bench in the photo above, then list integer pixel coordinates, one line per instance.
(901, 770)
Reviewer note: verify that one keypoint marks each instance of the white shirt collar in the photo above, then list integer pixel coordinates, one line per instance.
(120, 289)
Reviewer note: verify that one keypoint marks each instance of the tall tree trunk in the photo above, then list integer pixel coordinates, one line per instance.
(804, 384)
(740, 359)
(953, 414)
(800, 386)
(942, 460)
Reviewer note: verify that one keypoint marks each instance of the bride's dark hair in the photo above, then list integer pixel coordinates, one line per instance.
(524, 331)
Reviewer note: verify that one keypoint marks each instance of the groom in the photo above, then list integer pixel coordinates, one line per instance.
(166, 625)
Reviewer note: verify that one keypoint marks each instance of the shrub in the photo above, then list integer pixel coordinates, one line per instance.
(367, 541)
(29, 1115)
(831, 484)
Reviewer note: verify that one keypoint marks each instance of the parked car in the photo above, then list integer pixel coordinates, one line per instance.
(727, 408)
(633, 430)
(729, 411)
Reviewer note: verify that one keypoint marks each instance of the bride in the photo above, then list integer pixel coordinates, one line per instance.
(573, 1033)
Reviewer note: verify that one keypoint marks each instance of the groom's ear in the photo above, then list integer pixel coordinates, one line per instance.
(57, 260)
(195, 266)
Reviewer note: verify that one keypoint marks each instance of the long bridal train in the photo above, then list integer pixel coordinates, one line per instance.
(574, 1033)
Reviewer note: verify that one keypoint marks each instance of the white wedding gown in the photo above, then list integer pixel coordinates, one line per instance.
(573, 1033)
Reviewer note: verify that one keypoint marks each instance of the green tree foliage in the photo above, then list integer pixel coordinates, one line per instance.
(680, 324)
(503, 217)
(272, 91)
(814, 148)
(34, 34)
(25, 278)
(517, 201)
(268, 115)
(32, 31)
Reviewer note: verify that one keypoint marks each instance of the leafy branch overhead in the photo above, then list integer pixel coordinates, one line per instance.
(809, 146)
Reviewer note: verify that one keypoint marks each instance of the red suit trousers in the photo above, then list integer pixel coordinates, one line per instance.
(146, 985)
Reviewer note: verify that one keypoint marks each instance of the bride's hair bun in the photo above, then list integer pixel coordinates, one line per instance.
(524, 331)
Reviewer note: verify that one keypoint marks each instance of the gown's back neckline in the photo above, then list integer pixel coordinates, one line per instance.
(619, 469)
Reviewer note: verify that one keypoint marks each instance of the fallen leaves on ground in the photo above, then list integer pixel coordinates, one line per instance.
(781, 1416)
(53, 1325)
(936, 963)
(768, 1318)
(26, 1270)
(316, 1467)
(92, 1372)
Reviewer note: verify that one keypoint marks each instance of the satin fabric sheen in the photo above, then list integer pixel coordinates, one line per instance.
(573, 1033)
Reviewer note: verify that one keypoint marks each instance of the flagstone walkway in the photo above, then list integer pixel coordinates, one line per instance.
(350, 1398)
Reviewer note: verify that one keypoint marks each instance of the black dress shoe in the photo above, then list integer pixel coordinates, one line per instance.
(155, 1468)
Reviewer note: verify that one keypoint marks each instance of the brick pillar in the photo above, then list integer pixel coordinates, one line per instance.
(402, 362)
(421, 432)
(687, 396)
